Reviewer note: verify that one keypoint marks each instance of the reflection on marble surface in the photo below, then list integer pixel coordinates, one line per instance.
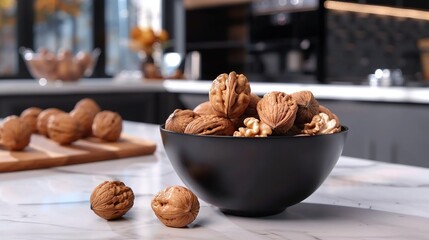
(360, 200)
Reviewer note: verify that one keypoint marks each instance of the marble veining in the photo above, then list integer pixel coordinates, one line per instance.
(361, 199)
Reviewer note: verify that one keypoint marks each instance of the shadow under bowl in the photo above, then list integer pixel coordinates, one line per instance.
(253, 176)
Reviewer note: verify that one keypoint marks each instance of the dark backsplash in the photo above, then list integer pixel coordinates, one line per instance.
(357, 44)
(342, 46)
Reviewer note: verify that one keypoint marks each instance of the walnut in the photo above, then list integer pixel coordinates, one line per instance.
(179, 119)
(251, 110)
(30, 116)
(323, 109)
(204, 108)
(230, 95)
(15, 133)
(210, 125)
(321, 124)
(278, 110)
(239, 122)
(295, 130)
(111, 200)
(85, 118)
(88, 104)
(254, 128)
(42, 119)
(84, 61)
(107, 125)
(63, 129)
(307, 106)
(176, 206)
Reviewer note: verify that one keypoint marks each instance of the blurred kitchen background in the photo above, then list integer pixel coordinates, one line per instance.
(307, 41)
(341, 49)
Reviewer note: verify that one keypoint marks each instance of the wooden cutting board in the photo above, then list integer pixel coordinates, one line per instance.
(44, 153)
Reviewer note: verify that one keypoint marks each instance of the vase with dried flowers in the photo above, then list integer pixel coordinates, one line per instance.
(146, 42)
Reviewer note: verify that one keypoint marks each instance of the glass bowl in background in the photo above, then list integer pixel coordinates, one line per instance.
(62, 66)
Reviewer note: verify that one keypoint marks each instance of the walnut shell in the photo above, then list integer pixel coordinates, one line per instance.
(230, 95)
(111, 200)
(308, 106)
(210, 125)
(176, 206)
(85, 118)
(42, 119)
(204, 108)
(88, 104)
(239, 122)
(107, 125)
(15, 133)
(63, 128)
(278, 110)
(30, 116)
(251, 110)
(179, 119)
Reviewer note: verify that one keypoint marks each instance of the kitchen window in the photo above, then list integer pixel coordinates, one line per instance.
(74, 25)
(8, 56)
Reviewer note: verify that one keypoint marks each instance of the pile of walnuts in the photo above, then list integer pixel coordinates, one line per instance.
(86, 119)
(233, 110)
(64, 65)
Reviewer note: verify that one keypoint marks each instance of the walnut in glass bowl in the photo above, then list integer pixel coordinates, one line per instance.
(63, 66)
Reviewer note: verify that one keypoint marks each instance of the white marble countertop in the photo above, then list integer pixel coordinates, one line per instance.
(104, 85)
(320, 91)
(360, 200)
(328, 91)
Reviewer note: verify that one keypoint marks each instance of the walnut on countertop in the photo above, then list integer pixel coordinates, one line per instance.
(63, 128)
(111, 200)
(210, 125)
(230, 95)
(179, 119)
(321, 124)
(30, 116)
(15, 133)
(107, 126)
(254, 128)
(278, 110)
(176, 206)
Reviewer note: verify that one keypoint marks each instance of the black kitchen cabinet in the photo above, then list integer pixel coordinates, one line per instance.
(260, 44)
(149, 107)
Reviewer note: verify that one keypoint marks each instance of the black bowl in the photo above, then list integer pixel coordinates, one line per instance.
(253, 176)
